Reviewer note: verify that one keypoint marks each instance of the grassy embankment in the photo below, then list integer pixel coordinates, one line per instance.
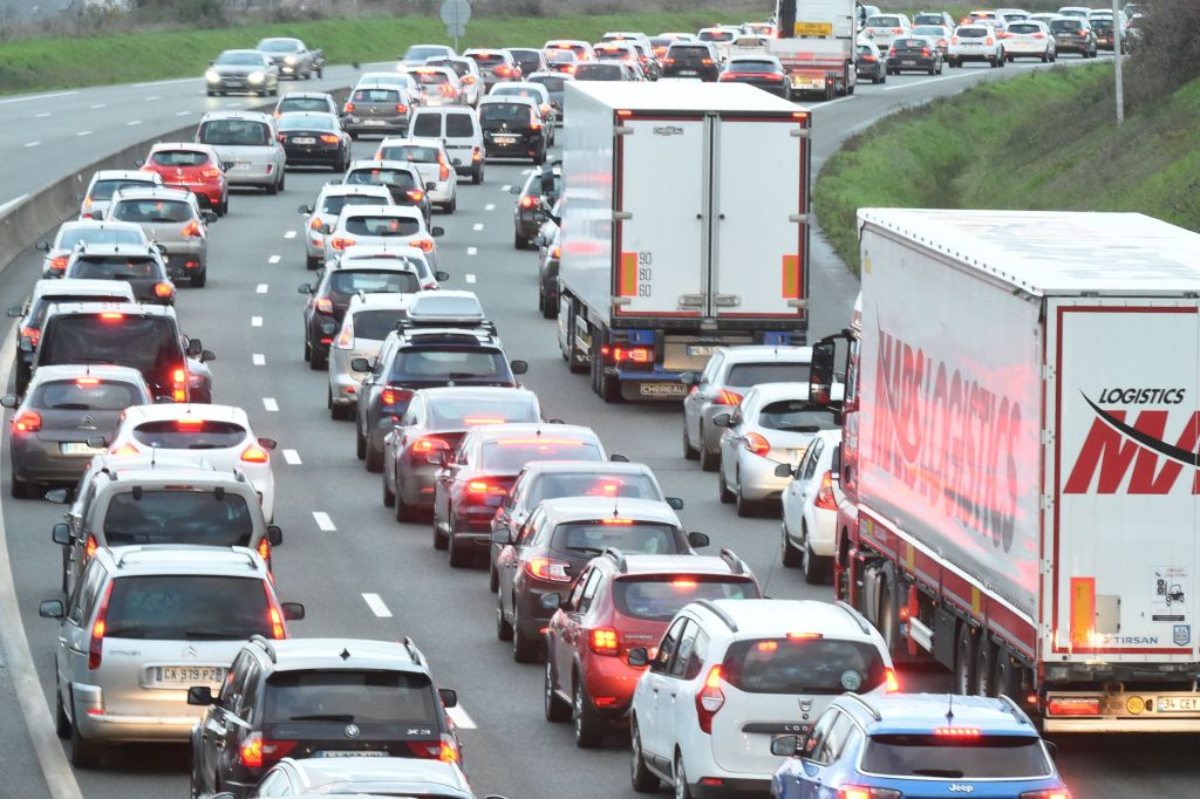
(1045, 141)
(30, 65)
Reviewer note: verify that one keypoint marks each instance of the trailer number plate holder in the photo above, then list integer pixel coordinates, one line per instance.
(1177, 704)
(662, 389)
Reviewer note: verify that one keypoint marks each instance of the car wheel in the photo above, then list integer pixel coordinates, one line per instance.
(689, 452)
(682, 790)
(817, 570)
(374, 458)
(451, 206)
(555, 708)
(84, 754)
(389, 496)
(709, 461)
(319, 361)
(548, 307)
(282, 179)
(641, 778)
(883, 77)
(477, 175)
(745, 508)
(932, 71)
(62, 724)
(312, 264)
(223, 208)
(402, 510)
(964, 661)
(19, 489)
(939, 68)
(360, 442)
(439, 538)
(519, 241)
(199, 279)
(504, 630)
(459, 556)
(585, 725)
(273, 189)
(791, 555)
(493, 576)
(722, 490)
(1045, 57)
(524, 649)
(211, 94)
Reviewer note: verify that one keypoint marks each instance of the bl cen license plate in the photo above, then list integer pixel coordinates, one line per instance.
(350, 753)
(662, 389)
(187, 675)
(1177, 704)
(78, 448)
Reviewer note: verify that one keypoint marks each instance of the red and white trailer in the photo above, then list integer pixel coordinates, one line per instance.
(815, 41)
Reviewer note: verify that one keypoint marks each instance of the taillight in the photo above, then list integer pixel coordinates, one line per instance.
(210, 173)
(1053, 793)
(401, 108)
(757, 444)
(953, 40)
(276, 620)
(547, 569)
(329, 138)
(96, 645)
(264, 549)
(255, 454)
(58, 264)
(444, 749)
(90, 546)
(315, 224)
(528, 201)
(341, 242)
(556, 252)
(258, 752)
(443, 167)
(709, 700)
(482, 488)
(427, 445)
(416, 195)
(1073, 706)
(476, 154)
(825, 499)
(394, 396)
(604, 641)
(424, 245)
(324, 305)
(641, 355)
(706, 61)
(862, 792)
(27, 422)
(1039, 36)
(727, 397)
(897, 30)
(925, 52)
(989, 40)
(890, 683)
(535, 125)
(348, 108)
(668, 60)
(163, 290)
(32, 335)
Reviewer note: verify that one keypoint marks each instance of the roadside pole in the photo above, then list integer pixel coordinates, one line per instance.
(1118, 40)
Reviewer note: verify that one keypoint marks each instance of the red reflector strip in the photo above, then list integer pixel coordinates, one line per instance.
(628, 277)
(791, 277)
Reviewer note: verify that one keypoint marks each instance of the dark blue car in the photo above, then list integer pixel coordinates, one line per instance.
(933, 746)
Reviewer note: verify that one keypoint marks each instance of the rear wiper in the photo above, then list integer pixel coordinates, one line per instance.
(588, 550)
(948, 773)
(71, 406)
(213, 634)
(130, 632)
(345, 718)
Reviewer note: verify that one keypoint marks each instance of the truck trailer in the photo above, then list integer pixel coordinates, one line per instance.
(684, 229)
(1020, 434)
(816, 40)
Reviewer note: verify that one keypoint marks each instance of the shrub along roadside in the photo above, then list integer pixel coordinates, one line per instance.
(31, 65)
(1045, 141)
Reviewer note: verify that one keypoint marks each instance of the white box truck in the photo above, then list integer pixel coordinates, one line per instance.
(816, 40)
(684, 229)
(1020, 464)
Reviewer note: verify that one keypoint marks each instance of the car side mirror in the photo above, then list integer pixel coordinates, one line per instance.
(360, 364)
(449, 697)
(638, 656)
(617, 457)
(783, 470)
(201, 695)
(786, 746)
(162, 248)
(1052, 748)
(305, 209)
(164, 400)
(675, 503)
(140, 162)
(42, 246)
(195, 347)
(61, 534)
(209, 216)
(503, 535)
(274, 535)
(519, 367)
(698, 540)
(515, 191)
(96, 442)
(293, 611)
(551, 601)
(97, 214)
(441, 276)
(226, 166)
(437, 231)
(59, 496)
(540, 240)
(689, 378)
(207, 355)
(51, 609)
(268, 444)
(10, 401)
(15, 312)
(325, 229)
(305, 288)
(722, 420)
(456, 161)
(430, 186)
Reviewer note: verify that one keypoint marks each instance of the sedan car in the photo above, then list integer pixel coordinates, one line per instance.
(763, 71)
(172, 219)
(248, 142)
(314, 139)
(195, 167)
(328, 207)
(908, 54)
(242, 71)
(104, 182)
(292, 57)
(432, 162)
(810, 507)
(1030, 39)
(773, 425)
(85, 231)
(869, 63)
(66, 415)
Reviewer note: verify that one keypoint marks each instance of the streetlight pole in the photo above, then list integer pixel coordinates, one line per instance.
(1118, 39)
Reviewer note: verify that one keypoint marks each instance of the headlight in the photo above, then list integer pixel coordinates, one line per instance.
(257, 77)
(212, 77)
(290, 59)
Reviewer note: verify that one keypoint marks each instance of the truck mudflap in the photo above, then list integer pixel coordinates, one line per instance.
(1121, 711)
(658, 386)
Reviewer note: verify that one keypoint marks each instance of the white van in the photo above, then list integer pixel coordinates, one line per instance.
(459, 128)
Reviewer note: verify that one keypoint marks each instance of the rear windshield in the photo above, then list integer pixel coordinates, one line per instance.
(350, 696)
(488, 59)
(459, 125)
(159, 516)
(374, 281)
(117, 267)
(180, 158)
(458, 412)
(929, 30)
(518, 91)
(156, 211)
(795, 416)
(381, 177)
(518, 113)
(304, 104)
(443, 365)
(985, 757)
(460, 68)
(592, 538)
(376, 96)
(431, 77)
(1065, 25)
(235, 133)
(971, 33)
(417, 52)
(928, 19)
(1024, 27)
(688, 52)
(599, 72)
(409, 152)
(189, 433)
(592, 484)
(744, 375)
(716, 36)
(375, 325)
(528, 60)
(1099, 25)
(145, 343)
(659, 598)
(511, 455)
(801, 665)
(429, 125)
(187, 608)
(70, 238)
(85, 394)
(883, 22)
(103, 190)
(752, 66)
(382, 226)
(307, 122)
(334, 203)
(915, 44)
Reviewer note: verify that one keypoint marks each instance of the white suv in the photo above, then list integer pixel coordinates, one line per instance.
(883, 29)
(742, 672)
(975, 43)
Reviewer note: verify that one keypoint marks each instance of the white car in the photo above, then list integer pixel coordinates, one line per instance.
(438, 85)
(1074, 11)
(368, 320)
(406, 254)
(470, 79)
(85, 231)
(975, 43)
(1029, 39)
(328, 207)
(771, 427)
(810, 506)
(249, 140)
(432, 162)
(883, 29)
(106, 182)
(729, 675)
(381, 225)
(459, 129)
(219, 435)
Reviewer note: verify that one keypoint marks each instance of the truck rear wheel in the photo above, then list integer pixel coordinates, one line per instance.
(607, 386)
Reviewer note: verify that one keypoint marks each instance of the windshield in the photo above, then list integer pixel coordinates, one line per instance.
(552, 84)
(795, 416)
(279, 46)
(511, 455)
(116, 267)
(1060, 25)
(158, 211)
(239, 60)
(382, 226)
(592, 538)
(103, 189)
(660, 597)
(307, 122)
(380, 177)
(1024, 27)
(180, 158)
(187, 608)
(94, 235)
(716, 36)
(378, 281)
(752, 66)
(455, 413)
(422, 52)
(178, 516)
(555, 485)
(189, 432)
(350, 696)
(85, 394)
(982, 757)
(883, 22)
(376, 96)
(801, 664)
(304, 104)
(375, 325)
(145, 343)
(488, 59)
(334, 203)
(451, 365)
(409, 152)
(235, 133)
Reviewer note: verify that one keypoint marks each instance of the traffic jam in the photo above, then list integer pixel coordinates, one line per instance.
(956, 497)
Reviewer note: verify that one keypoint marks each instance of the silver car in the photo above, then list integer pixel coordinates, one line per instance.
(377, 108)
(242, 71)
(772, 426)
(172, 219)
(328, 207)
(52, 435)
(88, 231)
(292, 57)
(368, 320)
(249, 142)
(432, 163)
(730, 372)
(104, 182)
(145, 624)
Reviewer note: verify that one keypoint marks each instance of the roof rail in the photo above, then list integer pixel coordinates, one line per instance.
(413, 652)
(870, 708)
(711, 607)
(267, 646)
(1012, 707)
(853, 613)
(736, 564)
(618, 556)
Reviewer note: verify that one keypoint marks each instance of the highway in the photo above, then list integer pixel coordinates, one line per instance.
(357, 570)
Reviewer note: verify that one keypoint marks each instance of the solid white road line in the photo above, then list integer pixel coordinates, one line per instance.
(255, 321)
(97, 106)
(11, 100)
(472, 251)
(270, 404)
(291, 234)
(274, 259)
(182, 113)
(477, 226)
(292, 457)
(152, 98)
(929, 80)
(261, 288)
(258, 359)
(470, 278)
(460, 718)
(375, 603)
(490, 207)
(43, 115)
(324, 522)
(33, 144)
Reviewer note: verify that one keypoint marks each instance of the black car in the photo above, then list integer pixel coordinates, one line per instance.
(317, 698)
(765, 73)
(314, 139)
(870, 64)
(329, 299)
(529, 59)
(914, 55)
(402, 179)
(1102, 27)
(1073, 35)
(603, 70)
(549, 291)
(512, 128)
(543, 185)
(692, 60)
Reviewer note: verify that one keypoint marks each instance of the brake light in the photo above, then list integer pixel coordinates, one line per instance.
(528, 201)
(341, 242)
(630, 354)
(1039, 36)
(684, 583)
(957, 732)
(276, 620)
(668, 60)
(710, 700)
(255, 454)
(727, 397)
(87, 381)
(443, 167)
(547, 569)
(424, 245)
(264, 549)
(535, 125)
(111, 316)
(484, 488)
(429, 444)
(401, 108)
(476, 154)
(90, 546)
(210, 173)
(447, 89)
(604, 641)
(757, 444)
(348, 108)
(925, 51)
(953, 40)
(474, 420)
(315, 224)
(329, 138)
(1073, 706)
(96, 644)
(1053, 793)
(32, 335)
(891, 684)
(257, 752)
(825, 499)
(1082, 34)
(989, 40)
(706, 61)
(897, 30)
(613, 520)
(444, 749)
(556, 252)
(861, 792)
(163, 290)
(416, 195)
(27, 422)
(869, 58)
(58, 264)
(394, 396)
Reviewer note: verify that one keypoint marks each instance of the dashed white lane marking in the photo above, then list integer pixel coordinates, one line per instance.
(460, 718)
(182, 113)
(33, 144)
(270, 404)
(42, 115)
(97, 106)
(258, 359)
(470, 278)
(324, 522)
(490, 207)
(472, 251)
(291, 234)
(152, 98)
(292, 457)
(477, 226)
(274, 259)
(84, 133)
(375, 603)
(131, 123)
(506, 188)
(36, 97)
(255, 321)
(261, 288)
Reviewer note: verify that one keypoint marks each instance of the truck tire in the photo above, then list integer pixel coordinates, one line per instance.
(888, 625)
(985, 667)
(964, 660)
(608, 387)
(1008, 675)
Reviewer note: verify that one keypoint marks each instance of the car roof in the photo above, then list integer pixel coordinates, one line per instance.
(349, 189)
(382, 252)
(249, 116)
(498, 432)
(497, 99)
(766, 392)
(637, 565)
(302, 114)
(404, 211)
(183, 472)
(775, 617)
(125, 174)
(177, 559)
(82, 286)
(153, 192)
(159, 146)
(389, 776)
(344, 653)
(71, 371)
(567, 509)
(125, 308)
(305, 95)
(585, 467)
(379, 301)
(922, 713)
(380, 163)
(169, 411)
(247, 50)
(416, 141)
(96, 224)
(755, 353)
(450, 392)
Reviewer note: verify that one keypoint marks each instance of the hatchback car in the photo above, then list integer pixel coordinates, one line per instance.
(306, 102)
(142, 267)
(975, 43)
(403, 224)
(557, 541)
(317, 701)
(249, 142)
(810, 508)
(529, 59)
(913, 53)
(433, 166)
(539, 94)
(1074, 35)
(496, 66)
(459, 129)
(1102, 27)
(243, 72)
(883, 29)
(52, 434)
(869, 63)
(387, 776)
(104, 182)
(563, 61)
(765, 72)
(145, 624)
(621, 601)
(172, 219)
(554, 82)
(692, 60)
(314, 139)
(513, 128)
(377, 109)
(401, 254)
(402, 179)
(368, 320)
(470, 79)
(195, 167)
(439, 86)
(543, 187)
(1030, 39)
(326, 210)
(86, 231)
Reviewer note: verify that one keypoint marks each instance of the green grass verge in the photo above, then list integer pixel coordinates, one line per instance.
(1045, 141)
(30, 65)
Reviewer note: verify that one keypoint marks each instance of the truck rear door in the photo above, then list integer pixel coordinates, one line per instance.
(660, 224)
(1123, 395)
(759, 264)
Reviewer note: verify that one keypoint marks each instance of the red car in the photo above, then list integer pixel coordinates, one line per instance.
(191, 166)
(621, 602)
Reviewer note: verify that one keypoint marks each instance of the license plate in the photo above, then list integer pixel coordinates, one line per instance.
(662, 389)
(908, 63)
(374, 121)
(703, 349)
(687, 72)
(187, 675)
(1177, 704)
(504, 139)
(304, 140)
(241, 166)
(350, 753)
(79, 448)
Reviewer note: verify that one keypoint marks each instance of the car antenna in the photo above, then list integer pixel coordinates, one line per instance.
(950, 710)
(153, 455)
